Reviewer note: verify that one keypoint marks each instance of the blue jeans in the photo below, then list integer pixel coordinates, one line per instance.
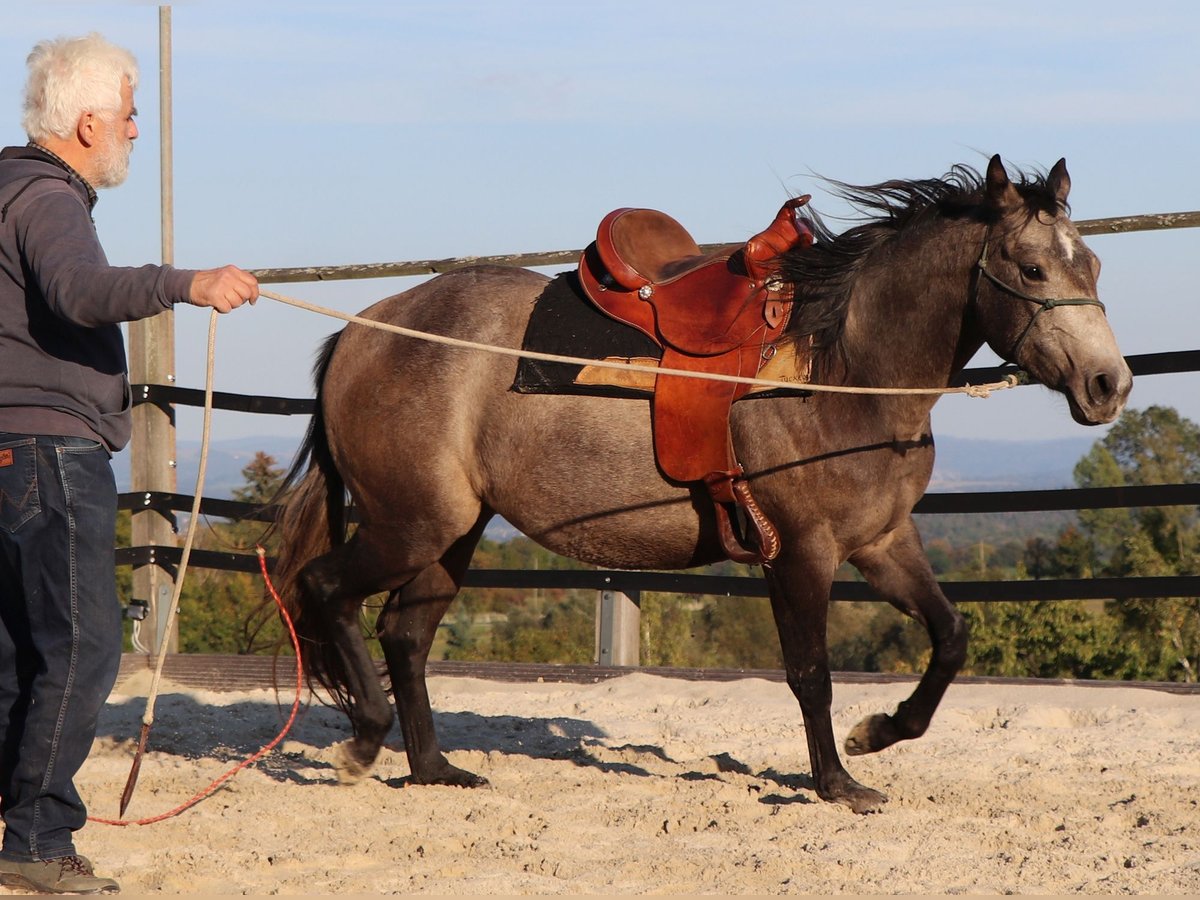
(60, 632)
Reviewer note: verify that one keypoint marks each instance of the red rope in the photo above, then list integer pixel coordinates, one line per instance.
(262, 563)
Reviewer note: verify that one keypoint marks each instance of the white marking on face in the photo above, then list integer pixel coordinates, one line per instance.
(1068, 238)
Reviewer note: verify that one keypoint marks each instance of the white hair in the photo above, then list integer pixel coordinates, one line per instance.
(72, 76)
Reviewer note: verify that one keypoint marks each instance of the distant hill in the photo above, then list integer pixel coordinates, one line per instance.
(226, 459)
(970, 464)
(963, 464)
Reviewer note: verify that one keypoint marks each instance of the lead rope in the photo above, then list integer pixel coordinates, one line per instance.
(972, 390)
(217, 782)
(152, 696)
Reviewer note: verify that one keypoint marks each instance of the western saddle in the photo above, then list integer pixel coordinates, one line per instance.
(719, 312)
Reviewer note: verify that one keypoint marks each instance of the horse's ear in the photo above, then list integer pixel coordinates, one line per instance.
(1059, 183)
(1000, 192)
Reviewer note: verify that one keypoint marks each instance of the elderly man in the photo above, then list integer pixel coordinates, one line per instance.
(64, 409)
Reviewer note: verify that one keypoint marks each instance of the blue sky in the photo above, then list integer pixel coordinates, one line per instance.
(314, 134)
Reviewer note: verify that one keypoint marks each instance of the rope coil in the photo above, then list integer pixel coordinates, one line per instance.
(152, 696)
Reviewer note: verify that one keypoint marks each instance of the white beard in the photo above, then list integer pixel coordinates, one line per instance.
(112, 165)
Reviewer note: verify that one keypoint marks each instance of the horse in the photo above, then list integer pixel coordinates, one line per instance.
(429, 443)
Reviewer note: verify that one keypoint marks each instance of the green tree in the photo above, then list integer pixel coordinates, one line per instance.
(667, 631)
(1040, 639)
(262, 477)
(1151, 638)
(124, 574)
(556, 630)
(1160, 636)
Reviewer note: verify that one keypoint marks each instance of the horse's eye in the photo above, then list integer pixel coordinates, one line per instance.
(1033, 273)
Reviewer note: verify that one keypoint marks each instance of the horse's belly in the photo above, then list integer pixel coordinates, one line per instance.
(578, 474)
(604, 505)
(621, 539)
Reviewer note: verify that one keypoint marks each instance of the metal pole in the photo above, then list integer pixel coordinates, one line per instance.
(166, 141)
(152, 361)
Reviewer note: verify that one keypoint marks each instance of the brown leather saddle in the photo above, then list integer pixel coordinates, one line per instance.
(719, 312)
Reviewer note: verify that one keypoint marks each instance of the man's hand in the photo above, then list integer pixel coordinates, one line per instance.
(223, 289)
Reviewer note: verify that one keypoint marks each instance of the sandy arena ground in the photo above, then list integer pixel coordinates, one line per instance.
(647, 785)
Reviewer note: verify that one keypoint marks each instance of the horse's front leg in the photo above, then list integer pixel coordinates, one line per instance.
(897, 569)
(800, 602)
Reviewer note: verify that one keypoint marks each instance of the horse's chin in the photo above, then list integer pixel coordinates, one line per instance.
(1086, 417)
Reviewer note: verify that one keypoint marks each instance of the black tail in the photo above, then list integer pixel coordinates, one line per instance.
(311, 522)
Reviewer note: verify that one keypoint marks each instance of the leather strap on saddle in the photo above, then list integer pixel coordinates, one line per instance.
(720, 312)
(731, 492)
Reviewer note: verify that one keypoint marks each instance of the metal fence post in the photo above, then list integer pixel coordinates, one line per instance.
(618, 628)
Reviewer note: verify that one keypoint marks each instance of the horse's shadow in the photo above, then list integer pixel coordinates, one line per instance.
(189, 729)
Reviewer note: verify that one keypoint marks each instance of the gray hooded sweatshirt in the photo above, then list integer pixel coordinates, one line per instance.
(62, 357)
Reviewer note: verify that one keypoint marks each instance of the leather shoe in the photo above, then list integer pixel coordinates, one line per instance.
(64, 875)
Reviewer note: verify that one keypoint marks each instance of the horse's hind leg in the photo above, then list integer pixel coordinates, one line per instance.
(406, 629)
(336, 585)
(898, 570)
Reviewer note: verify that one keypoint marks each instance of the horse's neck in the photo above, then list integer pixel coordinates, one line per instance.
(907, 320)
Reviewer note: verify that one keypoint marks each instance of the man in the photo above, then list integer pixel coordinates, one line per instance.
(64, 409)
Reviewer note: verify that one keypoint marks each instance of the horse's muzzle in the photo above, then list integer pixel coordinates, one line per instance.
(1101, 396)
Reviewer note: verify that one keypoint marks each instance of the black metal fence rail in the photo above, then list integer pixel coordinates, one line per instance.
(937, 503)
(630, 582)
(685, 583)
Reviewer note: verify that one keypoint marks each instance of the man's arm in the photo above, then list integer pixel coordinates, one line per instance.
(64, 256)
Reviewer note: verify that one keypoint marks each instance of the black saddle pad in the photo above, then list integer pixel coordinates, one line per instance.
(565, 322)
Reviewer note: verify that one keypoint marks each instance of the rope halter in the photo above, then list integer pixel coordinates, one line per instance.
(1044, 304)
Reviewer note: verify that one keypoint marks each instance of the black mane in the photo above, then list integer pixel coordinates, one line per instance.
(823, 275)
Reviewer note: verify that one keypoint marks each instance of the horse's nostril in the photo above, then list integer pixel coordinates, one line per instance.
(1102, 387)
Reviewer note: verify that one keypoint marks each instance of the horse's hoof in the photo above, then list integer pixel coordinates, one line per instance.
(452, 776)
(349, 769)
(871, 735)
(859, 798)
(863, 800)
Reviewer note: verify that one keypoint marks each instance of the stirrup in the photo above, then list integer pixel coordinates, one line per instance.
(731, 492)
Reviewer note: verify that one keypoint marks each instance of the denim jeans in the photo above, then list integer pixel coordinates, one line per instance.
(60, 632)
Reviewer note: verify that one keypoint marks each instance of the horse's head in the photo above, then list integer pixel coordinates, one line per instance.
(1035, 295)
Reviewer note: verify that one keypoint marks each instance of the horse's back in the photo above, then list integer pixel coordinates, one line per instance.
(577, 473)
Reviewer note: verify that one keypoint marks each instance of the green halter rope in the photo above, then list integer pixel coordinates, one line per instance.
(1044, 304)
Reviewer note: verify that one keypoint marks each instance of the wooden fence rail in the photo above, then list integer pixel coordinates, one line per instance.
(1117, 225)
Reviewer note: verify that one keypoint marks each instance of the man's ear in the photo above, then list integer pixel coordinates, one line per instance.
(85, 130)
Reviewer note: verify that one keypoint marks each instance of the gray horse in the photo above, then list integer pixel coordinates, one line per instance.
(430, 443)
